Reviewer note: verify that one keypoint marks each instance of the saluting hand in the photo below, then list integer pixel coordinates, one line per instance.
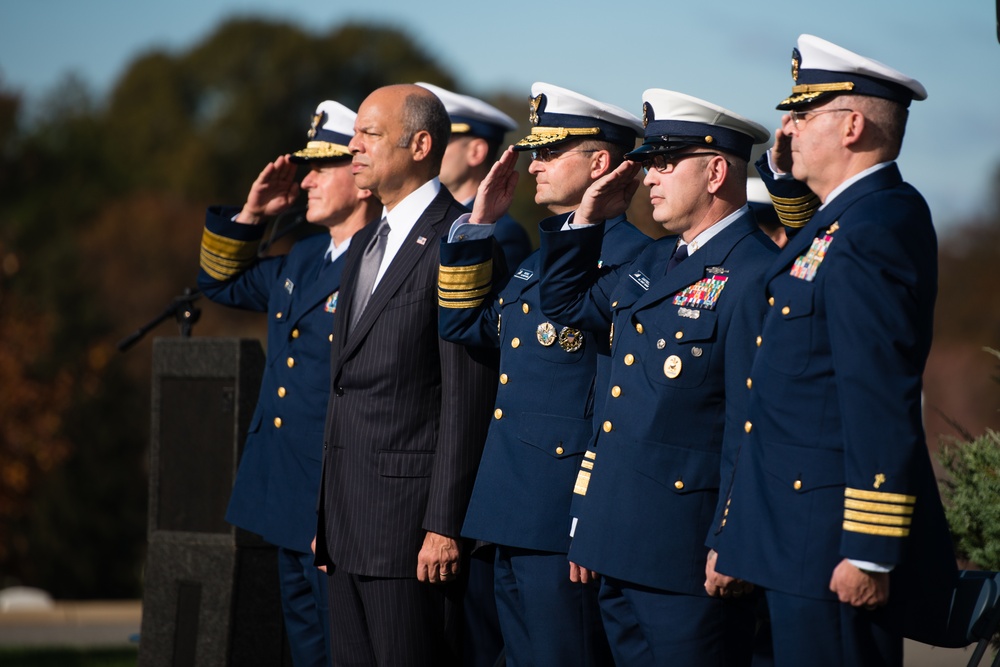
(274, 190)
(437, 562)
(496, 191)
(781, 151)
(609, 196)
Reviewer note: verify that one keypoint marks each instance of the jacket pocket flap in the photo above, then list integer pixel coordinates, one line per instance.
(558, 436)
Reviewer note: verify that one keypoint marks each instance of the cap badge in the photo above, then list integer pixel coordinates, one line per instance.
(796, 62)
(534, 104)
(647, 113)
(317, 122)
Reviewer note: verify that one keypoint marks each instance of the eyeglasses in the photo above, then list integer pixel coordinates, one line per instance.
(803, 116)
(665, 163)
(549, 154)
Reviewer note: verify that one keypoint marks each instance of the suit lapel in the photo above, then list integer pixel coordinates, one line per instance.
(398, 270)
(323, 284)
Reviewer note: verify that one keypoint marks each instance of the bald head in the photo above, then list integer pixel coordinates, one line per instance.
(400, 135)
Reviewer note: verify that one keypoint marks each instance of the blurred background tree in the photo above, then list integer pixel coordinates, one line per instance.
(101, 212)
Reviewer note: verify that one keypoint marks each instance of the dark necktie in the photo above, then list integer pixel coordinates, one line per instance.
(370, 263)
(680, 254)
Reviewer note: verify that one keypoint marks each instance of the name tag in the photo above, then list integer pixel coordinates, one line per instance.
(640, 279)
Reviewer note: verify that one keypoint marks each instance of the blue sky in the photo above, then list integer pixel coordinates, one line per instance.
(735, 54)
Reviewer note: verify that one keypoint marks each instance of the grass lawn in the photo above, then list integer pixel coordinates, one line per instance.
(69, 657)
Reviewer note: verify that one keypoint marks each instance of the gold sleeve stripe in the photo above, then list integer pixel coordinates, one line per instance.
(795, 212)
(880, 508)
(463, 294)
(878, 496)
(589, 465)
(590, 455)
(472, 303)
(227, 247)
(465, 277)
(222, 258)
(582, 482)
(883, 519)
(885, 531)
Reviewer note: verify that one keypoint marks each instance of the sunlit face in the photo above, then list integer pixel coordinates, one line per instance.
(814, 135)
(679, 192)
(379, 163)
(331, 194)
(561, 180)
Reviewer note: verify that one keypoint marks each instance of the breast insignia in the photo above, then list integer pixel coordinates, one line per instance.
(570, 339)
(672, 366)
(546, 334)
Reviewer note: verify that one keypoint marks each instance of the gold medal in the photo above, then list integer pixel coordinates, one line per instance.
(546, 334)
(570, 339)
(672, 366)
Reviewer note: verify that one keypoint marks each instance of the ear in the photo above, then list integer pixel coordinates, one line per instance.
(853, 129)
(600, 164)
(363, 194)
(475, 152)
(420, 145)
(717, 169)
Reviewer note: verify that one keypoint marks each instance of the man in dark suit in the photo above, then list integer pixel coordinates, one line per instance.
(680, 317)
(477, 131)
(408, 412)
(544, 414)
(275, 490)
(834, 508)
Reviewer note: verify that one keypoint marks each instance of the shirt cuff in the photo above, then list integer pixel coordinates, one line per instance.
(777, 173)
(569, 224)
(463, 230)
(869, 566)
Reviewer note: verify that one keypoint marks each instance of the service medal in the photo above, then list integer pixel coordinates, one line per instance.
(570, 339)
(672, 366)
(546, 334)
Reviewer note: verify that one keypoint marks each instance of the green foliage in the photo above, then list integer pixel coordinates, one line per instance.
(101, 208)
(972, 495)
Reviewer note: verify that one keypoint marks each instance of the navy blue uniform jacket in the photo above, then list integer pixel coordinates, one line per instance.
(833, 462)
(543, 417)
(681, 353)
(277, 481)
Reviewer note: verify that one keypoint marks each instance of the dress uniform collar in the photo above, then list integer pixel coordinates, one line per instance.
(710, 233)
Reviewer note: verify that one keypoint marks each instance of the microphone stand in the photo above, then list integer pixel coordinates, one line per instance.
(181, 308)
